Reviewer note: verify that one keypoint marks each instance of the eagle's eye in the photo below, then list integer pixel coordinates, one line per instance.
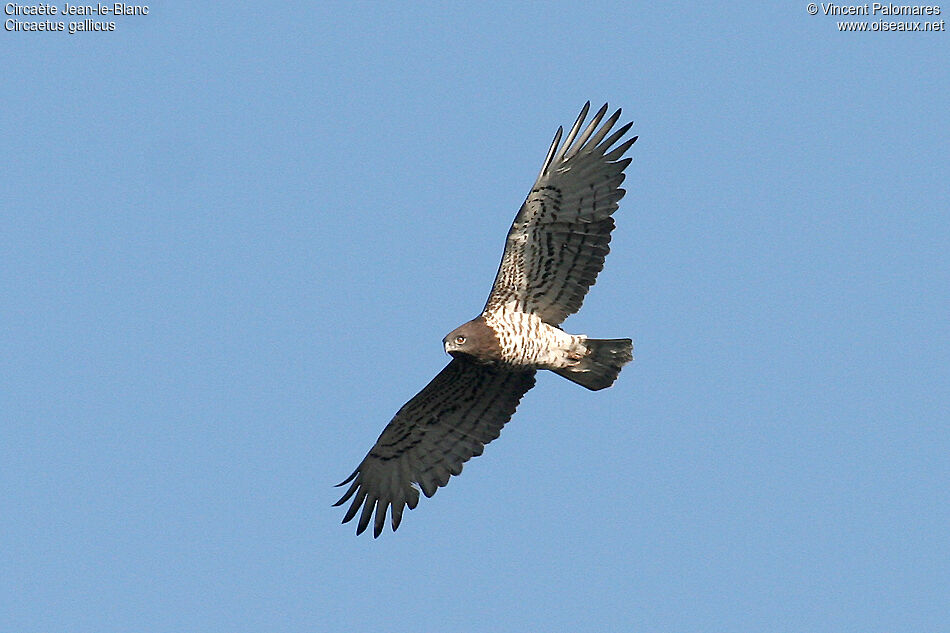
(459, 339)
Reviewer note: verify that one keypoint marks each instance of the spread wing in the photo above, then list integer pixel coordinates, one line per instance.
(559, 239)
(432, 435)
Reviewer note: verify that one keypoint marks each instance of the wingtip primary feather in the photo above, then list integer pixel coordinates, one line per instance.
(581, 142)
(605, 128)
(348, 479)
(349, 492)
(551, 150)
(373, 504)
(613, 138)
(573, 133)
(619, 151)
(357, 502)
(396, 515)
(591, 138)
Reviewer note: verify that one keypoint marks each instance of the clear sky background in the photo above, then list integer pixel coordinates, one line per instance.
(234, 234)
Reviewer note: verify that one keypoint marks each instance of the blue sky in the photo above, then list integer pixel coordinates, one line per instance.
(233, 237)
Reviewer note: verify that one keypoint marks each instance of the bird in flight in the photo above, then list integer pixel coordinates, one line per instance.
(554, 250)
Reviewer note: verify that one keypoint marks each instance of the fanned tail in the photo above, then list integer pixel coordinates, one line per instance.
(602, 363)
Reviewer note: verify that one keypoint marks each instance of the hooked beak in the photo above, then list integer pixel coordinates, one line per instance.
(451, 347)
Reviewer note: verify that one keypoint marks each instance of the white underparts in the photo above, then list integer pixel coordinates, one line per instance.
(526, 341)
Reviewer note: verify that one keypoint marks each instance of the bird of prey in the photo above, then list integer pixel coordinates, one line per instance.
(554, 250)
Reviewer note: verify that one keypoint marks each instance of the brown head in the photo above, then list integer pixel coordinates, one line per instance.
(474, 339)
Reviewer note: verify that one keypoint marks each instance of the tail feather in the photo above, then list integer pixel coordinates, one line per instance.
(599, 368)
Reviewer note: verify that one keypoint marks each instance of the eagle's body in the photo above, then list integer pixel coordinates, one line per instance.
(555, 248)
(527, 342)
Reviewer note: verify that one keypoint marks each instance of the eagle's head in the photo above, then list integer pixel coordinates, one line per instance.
(475, 340)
